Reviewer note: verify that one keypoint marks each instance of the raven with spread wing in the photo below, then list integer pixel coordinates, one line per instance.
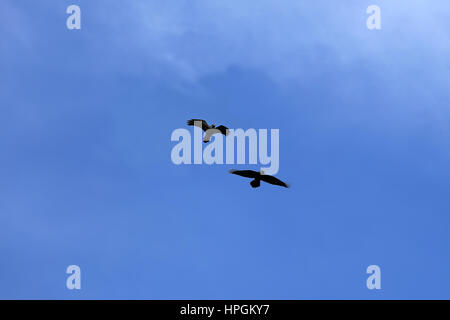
(258, 177)
(209, 129)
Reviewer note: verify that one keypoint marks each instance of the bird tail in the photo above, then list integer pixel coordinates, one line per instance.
(255, 183)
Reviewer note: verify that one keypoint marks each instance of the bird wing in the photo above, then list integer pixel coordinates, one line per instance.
(224, 130)
(245, 173)
(198, 123)
(273, 180)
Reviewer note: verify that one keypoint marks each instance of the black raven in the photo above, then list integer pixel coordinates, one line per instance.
(258, 176)
(210, 130)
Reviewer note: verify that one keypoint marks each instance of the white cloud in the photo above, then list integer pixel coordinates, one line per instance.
(283, 38)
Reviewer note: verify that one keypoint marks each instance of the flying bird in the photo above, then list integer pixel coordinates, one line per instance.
(258, 176)
(209, 129)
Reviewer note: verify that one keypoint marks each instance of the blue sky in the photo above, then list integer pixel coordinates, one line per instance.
(86, 176)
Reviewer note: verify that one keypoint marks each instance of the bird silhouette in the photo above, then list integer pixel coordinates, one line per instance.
(258, 177)
(209, 129)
